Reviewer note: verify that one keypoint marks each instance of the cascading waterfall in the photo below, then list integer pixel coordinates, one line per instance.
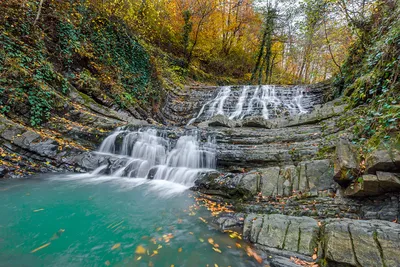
(268, 101)
(151, 154)
(159, 154)
(240, 103)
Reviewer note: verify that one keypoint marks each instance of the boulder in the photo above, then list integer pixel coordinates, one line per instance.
(221, 121)
(242, 186)
(250, 182)
(383, 160)
(269, 181)
(367, 186)
(295, 234)
(229, 221)
(362, 243)
(374, 185)
(319, 175)
(347, 163)
(389, 182)
(258, 122)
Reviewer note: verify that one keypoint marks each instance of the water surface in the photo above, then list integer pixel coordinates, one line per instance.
(81, 220)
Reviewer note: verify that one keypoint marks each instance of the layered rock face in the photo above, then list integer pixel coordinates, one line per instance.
(341, 242)
(303, 188)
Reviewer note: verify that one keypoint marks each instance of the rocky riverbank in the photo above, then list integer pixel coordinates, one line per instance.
(305, 192)
(297, 185)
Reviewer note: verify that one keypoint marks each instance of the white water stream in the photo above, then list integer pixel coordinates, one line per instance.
(267, 101)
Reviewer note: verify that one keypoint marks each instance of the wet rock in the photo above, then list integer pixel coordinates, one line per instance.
(383, 160)
(239, 186)
(296, 234)
(47, 148)
(347, 163)
(89, 161)
(362, 243)
(230, 221)
(3, 171)
(152, 173)
(277, 261)
(222, 121)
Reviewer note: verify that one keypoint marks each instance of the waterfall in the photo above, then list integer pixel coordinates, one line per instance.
(268, 101)
(150, 153)
(239, 105)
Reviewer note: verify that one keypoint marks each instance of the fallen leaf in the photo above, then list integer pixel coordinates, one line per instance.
(217, 250)
(155, 252)
(118, 245)
(211, 241)
(107, 263)
(41, 247)
(179, 249)
(140, 250)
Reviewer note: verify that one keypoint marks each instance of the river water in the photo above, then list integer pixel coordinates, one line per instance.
(83, 220)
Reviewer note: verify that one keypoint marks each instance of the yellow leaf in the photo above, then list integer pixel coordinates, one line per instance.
(41, 247)
(217, 250)
(179, 249)
(140, 250)
(138, 259)
(118, 245)
(210, 240)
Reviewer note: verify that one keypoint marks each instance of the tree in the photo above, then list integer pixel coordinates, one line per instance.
(264, 54)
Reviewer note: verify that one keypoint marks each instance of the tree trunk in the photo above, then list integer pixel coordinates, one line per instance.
(39, 12)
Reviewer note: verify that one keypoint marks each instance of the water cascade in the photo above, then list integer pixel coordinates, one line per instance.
(158, 154)
(180, 156)
(268, 101)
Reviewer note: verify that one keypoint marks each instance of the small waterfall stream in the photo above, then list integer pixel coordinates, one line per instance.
(158, 154)
(268, 101)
